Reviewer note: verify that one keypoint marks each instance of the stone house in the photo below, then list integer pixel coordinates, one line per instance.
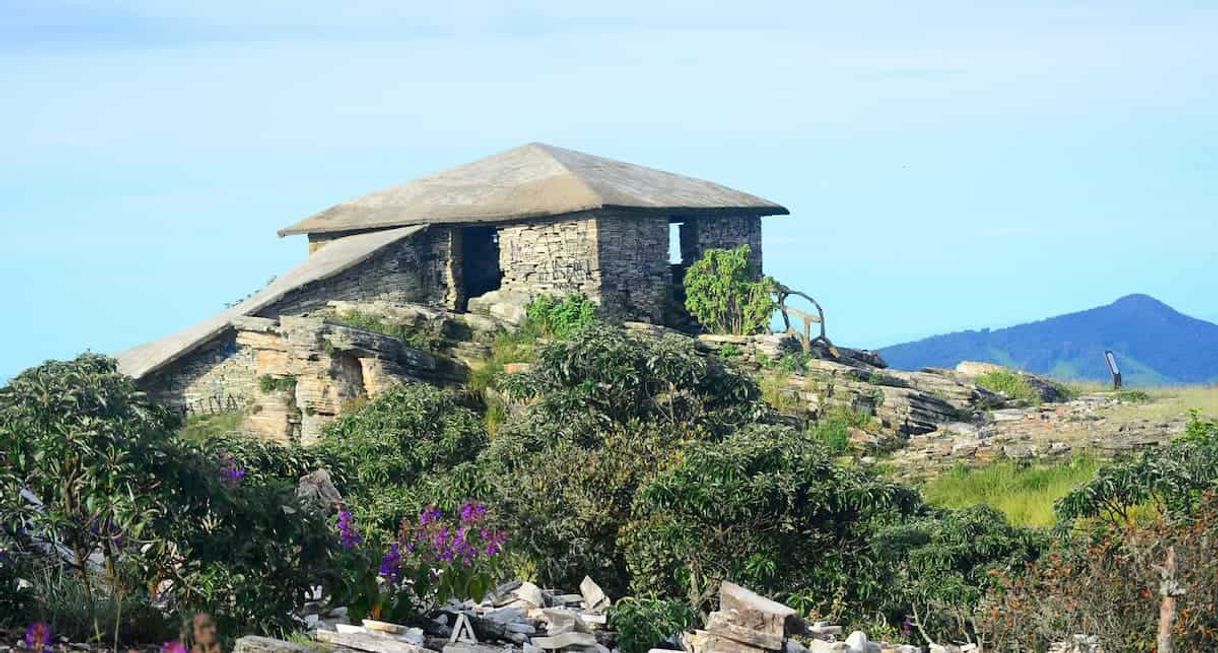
(482, 238)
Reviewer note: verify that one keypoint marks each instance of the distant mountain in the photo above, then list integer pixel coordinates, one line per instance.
(1154, 345)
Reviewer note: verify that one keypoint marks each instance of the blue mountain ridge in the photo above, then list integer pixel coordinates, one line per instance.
(1154, 345)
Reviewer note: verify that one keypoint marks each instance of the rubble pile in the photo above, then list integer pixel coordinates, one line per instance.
(522, 617)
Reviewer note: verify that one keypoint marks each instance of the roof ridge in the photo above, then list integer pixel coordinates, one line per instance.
(549, 152)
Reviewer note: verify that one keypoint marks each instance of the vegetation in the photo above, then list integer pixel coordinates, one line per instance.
(422, 338)
(1025, 494)
(1010, 383)
(643, 624)
(274, 383)
(642, 462)
(409, 447)
(112, 479)
(726, 295)
(832, 426)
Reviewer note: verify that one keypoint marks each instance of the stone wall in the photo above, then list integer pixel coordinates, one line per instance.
(217, 377)
(417, 269)
(721, 232)
(293, 375)
(556, 257)
(636, 283)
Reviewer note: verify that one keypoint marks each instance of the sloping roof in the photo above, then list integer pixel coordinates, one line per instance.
(531, 181)
(339, 255)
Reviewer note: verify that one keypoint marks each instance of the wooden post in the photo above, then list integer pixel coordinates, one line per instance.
(1168, 590)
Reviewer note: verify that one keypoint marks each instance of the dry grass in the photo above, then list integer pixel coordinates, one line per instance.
(1170, 403)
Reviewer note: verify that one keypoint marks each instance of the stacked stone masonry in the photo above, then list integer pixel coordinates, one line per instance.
(721, 232)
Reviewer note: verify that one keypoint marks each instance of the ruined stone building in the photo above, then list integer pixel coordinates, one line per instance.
(470, 245)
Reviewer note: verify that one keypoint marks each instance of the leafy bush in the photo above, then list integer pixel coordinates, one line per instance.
(943, 562)
(1172, 480)
(746, 507)
(409, 447)
(434, 559)
(726, 295)
(114, 481)
(78, 612)
(642, 623)
(598, 415)
(1105, 583)
(1011, 384)
(552, 317)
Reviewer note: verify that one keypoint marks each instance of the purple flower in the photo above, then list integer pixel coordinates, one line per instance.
(231, 474)
(472, 511)
(391, 564)
(38, 637)
(173, 647)
(430, 514)
(347, 532)
(494, 542)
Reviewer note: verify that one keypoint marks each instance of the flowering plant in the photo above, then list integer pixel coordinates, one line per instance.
(435, 558)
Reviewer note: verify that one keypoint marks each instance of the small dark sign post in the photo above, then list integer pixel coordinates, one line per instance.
(1113, 369)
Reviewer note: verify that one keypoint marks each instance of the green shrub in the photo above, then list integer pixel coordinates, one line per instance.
(407, 447)
(748, 506)
(726, 295)
(943, 562)
(1171, 480)
(642, 624)
(74, 611)
(1011, 384)
(833, 424)
(594, 418)
(116, 482)
(553, 317)
(269, 383)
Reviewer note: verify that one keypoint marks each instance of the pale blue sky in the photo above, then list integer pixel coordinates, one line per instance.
(946, 166)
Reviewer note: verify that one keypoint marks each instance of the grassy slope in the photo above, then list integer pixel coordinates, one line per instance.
(1024, 494)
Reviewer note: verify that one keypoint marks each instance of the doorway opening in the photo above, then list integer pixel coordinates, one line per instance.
(480, 271)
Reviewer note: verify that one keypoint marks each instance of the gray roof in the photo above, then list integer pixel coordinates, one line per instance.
(531, 181)
(339, 255)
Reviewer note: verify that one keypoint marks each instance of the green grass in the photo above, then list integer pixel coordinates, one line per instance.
(834, 424)
(1012, 384)
(202, 427)
(419, 338)
(1024, 494)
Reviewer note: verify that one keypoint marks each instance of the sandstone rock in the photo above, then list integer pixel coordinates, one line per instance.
(255, 644)
(317, 488)
(530, 594)
(755, 612)
(593, 596)
(368, 642)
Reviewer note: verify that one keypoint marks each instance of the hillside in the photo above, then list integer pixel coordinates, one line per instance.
(1154, 344)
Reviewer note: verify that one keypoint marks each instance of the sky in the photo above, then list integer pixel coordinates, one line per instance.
(947, 165)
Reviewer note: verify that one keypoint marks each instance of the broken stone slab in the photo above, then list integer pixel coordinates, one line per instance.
(821, 646)
(723, 624)
(368, 642)
(858, 643)
(565, 640)
(752, 611)
(255, 644)
(530, 594)
(469, 647)
(594, 597)
(704, 642)
(564, 621)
